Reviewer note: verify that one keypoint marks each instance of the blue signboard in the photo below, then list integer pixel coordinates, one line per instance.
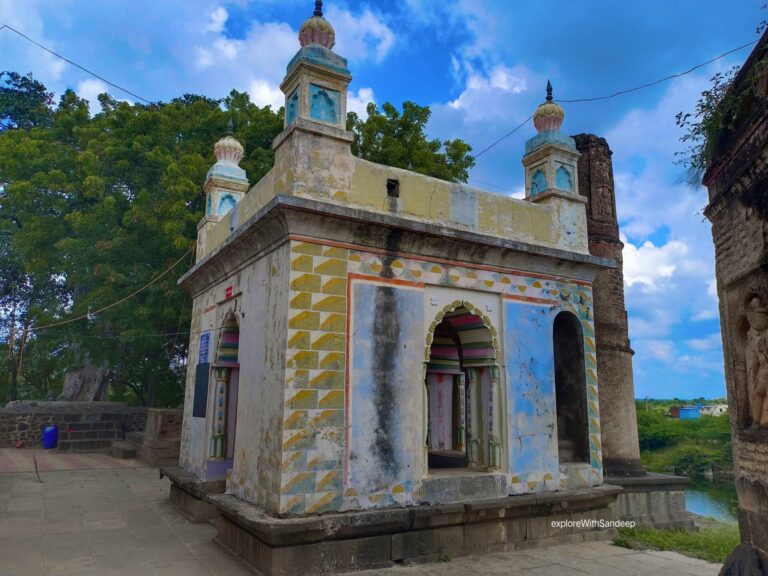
(205, 340)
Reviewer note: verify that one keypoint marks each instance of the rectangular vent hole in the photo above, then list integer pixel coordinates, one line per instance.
(393, 187)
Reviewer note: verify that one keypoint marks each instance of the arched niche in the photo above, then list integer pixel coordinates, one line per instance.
(462, 390)
(227, 382)
(570, 389)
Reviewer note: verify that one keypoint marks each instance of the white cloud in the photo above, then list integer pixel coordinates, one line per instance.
(217, 20)
(651, 265)
(265, 94)
(711, 342)
(357, 102)
(484, 94)
(359, 37)
(89, 90)
(663, 350)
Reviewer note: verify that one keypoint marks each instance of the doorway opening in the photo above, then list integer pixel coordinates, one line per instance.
(462, 384)
(227, 381)
(570, 389)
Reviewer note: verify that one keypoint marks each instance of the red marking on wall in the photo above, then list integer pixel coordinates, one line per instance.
(228, 292)
(531, 299)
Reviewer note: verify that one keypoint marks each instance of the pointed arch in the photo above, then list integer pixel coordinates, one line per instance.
(463, 390)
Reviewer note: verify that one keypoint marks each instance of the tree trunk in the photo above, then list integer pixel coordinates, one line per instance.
(86, 384)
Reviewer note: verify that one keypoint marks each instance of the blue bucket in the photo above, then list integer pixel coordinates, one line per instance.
(50, 437)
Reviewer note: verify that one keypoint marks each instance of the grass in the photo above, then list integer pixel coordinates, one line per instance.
(712, 544)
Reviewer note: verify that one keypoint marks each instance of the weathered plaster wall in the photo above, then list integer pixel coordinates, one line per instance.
(257, 296)
(256, 472)
(532, 440)
(384, 451)
(532, 416)
(323, 169)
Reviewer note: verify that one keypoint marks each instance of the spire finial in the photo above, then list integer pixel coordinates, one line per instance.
(318, 8)
(230, 127)
(549, 91)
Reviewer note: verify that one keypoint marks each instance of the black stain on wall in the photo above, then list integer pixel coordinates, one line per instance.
(386, 335)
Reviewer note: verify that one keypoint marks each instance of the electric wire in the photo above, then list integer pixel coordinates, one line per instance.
(622, 92)
(75, 64)
(116, 303)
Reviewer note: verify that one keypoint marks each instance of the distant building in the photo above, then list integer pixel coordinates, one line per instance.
(714, 409)
(674, 412)
(690, 412)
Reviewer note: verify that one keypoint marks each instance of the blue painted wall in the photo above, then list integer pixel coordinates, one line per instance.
(532, 414)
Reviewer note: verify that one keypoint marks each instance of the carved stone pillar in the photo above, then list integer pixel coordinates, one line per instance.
(616, 390)
(494, 421)
(474, 420)
(219, 436)
(460, 395)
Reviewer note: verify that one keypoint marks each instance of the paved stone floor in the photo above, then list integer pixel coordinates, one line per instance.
(106, 517)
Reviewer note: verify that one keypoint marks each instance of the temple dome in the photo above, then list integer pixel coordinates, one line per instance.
(317, 30)
(549, 115)
(229, 151)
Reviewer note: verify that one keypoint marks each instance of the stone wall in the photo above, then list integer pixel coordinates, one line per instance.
(84, 423)
(737, 180)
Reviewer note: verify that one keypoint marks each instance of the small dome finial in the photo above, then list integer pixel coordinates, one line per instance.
(549, 115)
(230, 127)
(317, 30)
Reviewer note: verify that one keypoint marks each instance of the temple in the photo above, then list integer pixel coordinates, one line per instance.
(376, 353)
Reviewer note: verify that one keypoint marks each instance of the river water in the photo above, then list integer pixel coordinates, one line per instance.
(715, 499)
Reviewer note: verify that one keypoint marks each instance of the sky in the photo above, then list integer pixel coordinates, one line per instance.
(482, 67)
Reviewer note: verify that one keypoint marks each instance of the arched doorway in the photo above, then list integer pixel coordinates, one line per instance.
(462, 383)
(227, 375)
(570, 389)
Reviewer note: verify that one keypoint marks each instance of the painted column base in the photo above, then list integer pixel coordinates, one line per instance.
(653, 501)
(372, 539)
(188, 493)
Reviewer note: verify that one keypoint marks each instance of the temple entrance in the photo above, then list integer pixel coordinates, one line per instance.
(570, 389)
(462, 384)
(227, 380)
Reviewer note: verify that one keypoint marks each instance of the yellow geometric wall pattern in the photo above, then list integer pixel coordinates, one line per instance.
(313, 426)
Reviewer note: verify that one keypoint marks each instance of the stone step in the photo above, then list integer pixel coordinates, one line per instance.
(84, 445)
(123, 449)
(135, 438)
(87, 435)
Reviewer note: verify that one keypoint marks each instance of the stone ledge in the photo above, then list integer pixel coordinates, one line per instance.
(649, 481)
(372, 539)
(338, 526)
(190, 483)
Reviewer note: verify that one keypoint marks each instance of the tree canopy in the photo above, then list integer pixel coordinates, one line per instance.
(95, 204)
(397, 139)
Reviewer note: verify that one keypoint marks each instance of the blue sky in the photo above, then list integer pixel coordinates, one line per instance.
(482, 66)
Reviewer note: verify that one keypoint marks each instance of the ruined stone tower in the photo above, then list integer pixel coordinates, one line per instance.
(621, 452)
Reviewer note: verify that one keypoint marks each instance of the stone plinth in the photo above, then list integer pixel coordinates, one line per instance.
(189, 493)
(350, 541)
(653, 501)
(162, 437)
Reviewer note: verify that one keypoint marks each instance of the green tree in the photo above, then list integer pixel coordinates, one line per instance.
(99, 203)
(24, 102)
(398, 139)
